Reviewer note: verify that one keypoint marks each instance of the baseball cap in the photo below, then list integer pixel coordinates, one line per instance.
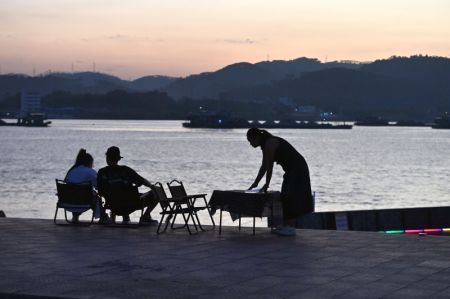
(114, 152)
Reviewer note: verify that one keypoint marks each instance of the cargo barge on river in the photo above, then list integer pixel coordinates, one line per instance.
(31, 113)
(30, 120)
(219, 121)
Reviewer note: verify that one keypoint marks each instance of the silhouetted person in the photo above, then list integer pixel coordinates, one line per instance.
(296, 197)
(115, 172)
(83, 173)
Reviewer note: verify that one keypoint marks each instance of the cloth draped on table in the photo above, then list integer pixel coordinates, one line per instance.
(245, 204)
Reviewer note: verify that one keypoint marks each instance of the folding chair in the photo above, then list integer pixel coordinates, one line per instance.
(171, 207)
(74, 196)
(122, 198)
(177, 190)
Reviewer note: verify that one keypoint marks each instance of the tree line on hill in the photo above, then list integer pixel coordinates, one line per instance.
(415, 87)
(120, 104)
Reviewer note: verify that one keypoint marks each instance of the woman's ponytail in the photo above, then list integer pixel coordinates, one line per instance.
(82, 159)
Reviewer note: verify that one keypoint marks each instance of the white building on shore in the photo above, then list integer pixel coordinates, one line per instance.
(30, 102)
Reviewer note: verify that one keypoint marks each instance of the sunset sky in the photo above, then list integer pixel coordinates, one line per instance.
(180, 37)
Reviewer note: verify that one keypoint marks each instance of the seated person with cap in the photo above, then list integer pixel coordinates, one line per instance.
(115, 172)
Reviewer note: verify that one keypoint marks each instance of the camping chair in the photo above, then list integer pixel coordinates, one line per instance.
(74, 196)
(122, 198)
(172, 207)
(177, 190)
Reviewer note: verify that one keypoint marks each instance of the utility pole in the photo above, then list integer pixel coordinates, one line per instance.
(93, 67)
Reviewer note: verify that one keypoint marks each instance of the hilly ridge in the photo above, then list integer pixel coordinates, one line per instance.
(82, 82)
(416, 87)
(212, 85)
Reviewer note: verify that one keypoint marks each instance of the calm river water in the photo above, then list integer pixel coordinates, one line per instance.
(362, 168)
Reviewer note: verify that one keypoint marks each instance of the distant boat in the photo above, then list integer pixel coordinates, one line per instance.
(31, 114)
(381, 122)
(410, 123)
(442, 122)
(225, 121)
(30, 120)
(372, 121)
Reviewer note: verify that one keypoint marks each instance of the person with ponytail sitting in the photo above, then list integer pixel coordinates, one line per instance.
(82, 172)
(296, 197)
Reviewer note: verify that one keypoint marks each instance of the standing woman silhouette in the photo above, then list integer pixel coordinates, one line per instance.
(296, 197)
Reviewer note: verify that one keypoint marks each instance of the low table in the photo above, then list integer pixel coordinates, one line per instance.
(242, 203)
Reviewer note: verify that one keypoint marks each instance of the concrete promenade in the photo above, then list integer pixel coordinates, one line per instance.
(38, 258)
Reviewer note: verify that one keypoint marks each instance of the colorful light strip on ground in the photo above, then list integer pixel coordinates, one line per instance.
(413, 231)
(418, 231)
(433, 230)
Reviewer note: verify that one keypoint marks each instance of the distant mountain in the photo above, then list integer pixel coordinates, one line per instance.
(88, 78)
(418, 68)
(83, 82)
(417, 86)
(213, 84)
(150, 83)
(292, 68)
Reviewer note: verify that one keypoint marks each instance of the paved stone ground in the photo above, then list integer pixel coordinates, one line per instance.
(40, 259)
